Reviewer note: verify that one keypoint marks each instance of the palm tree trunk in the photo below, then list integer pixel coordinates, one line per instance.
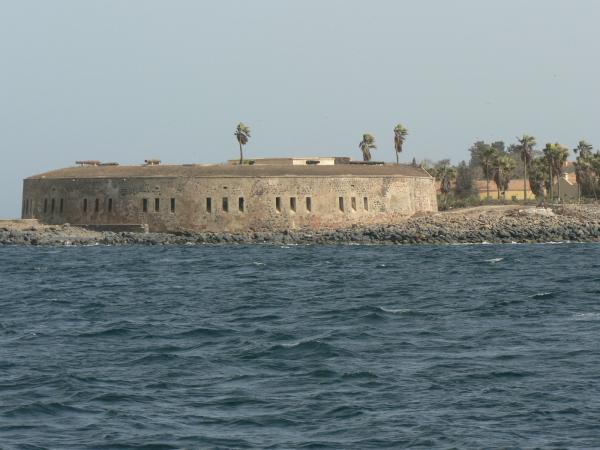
(498, 186)
(241, 154)
(397, 158)
(487, 182)
(551, 187)
(558, 185)
(525, 181)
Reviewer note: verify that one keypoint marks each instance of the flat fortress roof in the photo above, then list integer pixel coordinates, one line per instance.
(219, 170)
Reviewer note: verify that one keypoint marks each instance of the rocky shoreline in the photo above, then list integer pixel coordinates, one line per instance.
(573, 223)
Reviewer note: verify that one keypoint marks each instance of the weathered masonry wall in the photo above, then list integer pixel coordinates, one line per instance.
(228, 203)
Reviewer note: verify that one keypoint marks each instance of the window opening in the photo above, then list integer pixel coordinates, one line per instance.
(366, 203)
(293, 203)
(308, 204)
(341, 203)
(278, 204)
(52, 205)
(353, 203)
(225, 204)
(172, 205)
(97, 205)
(145, 205)
(241, 204)
(62, 205)
(110, 205)
(156, 204)
(208, 204)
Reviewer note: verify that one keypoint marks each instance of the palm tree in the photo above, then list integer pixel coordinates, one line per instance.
(487, 157)
(526, 144)
(242, 133)
(445, 173)
(584, 173)
(562, 153)
(584, 149)
(504, 165)
(538, 174)
(400, 134)
(367, 143)
(594, 161)
(555, 155)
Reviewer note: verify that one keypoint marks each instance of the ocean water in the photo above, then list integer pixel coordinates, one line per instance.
(354, 347)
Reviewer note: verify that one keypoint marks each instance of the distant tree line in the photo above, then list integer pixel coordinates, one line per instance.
(495, 162)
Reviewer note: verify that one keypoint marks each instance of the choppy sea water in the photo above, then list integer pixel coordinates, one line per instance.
(479, 346)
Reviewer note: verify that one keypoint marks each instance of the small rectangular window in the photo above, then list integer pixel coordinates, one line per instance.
(145, 204)
(156, 204)
(225, 204)
(308, 204)
(45, 205)
(208, 204)
(52, 205)
(341, 203)
(172, 205)
(278, 204)
(85, 205)
(293, 203)
(97, 205)
(61, 208)
(110, 205)
(241, 204)
(353, 203)
(366, 203)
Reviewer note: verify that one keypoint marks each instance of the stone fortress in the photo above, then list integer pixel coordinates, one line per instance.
(262, 194)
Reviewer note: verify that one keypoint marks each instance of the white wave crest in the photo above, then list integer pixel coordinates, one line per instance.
(395, 311)
(587, 316)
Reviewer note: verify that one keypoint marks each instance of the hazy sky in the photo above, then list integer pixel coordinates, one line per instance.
(119, 80)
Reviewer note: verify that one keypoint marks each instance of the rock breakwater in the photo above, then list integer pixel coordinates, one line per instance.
(573, 223)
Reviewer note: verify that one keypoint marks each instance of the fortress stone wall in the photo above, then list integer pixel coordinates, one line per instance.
(229, 197)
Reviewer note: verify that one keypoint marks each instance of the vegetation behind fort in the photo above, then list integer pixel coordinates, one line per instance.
(496, 166)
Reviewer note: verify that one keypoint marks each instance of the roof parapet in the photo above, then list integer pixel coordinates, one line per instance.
(293, 161)
(88, 162)
(368, 163)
